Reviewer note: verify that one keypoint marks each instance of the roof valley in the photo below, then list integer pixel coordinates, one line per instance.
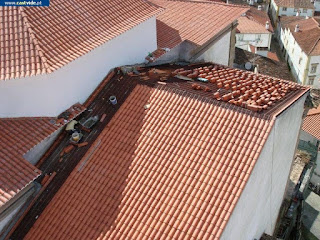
(33, 37)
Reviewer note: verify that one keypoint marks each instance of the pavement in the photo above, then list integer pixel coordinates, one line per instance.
(311, 215)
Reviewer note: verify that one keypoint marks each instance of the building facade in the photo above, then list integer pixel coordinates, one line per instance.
(290, 8)
(299, 41)
(254, 32)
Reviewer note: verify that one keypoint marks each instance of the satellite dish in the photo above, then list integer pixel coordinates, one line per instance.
(248, 65)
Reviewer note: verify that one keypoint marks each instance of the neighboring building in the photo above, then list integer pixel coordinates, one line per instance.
(196, 31)
(254, 31)
(280, 8)
(311, 133)
(173, 162)
(317, 6)
(55, 56)
(300, 43)
(270, 65)
(23, 142)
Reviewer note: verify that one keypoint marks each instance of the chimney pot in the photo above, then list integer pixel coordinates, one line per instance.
(296, 29)
(267, 25)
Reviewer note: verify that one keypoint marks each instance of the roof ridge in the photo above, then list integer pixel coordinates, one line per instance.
(252, 18)
(211, 2)
(315, 21)
(312, 114)
(34, 40)
(314, 45)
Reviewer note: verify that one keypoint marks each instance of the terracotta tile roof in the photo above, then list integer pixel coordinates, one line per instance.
(308, 36)
(170, 164)
(273, 56)
(155, 172)
(18, 136)
(41, 40)
(18, 53)
(254, 22)
(295, 3)
(311, 123)
(193, 21)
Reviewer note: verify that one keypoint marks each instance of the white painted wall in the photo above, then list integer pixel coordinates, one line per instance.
(317, 5)
(257, 209)
(34, 154)
(301, 70)
(316, 60)
(308, 137)
(50, 94)
(243, 40)
(278, 11)
(315, 179)
(219, 52)
(274, 11)
(291, 12)
(9, 211)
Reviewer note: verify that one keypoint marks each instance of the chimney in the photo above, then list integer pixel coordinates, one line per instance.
(307, 17)
(298, 13)
(113, 100)
(259, 7)
(267, 25)
(296, 29)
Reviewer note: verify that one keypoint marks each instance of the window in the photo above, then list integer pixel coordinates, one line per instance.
(311, 80)
(314, 67)
(262, 48)
(295, 10)
(305, 10)
(300, 60)
(292, 50)
(284, 9)
(258, 37)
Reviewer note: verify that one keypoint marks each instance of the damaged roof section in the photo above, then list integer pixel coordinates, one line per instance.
(267, 66)
(172, 161)
(18, 136)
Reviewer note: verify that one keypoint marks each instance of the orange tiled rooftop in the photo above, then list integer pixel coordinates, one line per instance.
(173, 160)
(40, 40)
(200, 21)
(254, 21)
(308, 36)
(311, 122)
(18, 137)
